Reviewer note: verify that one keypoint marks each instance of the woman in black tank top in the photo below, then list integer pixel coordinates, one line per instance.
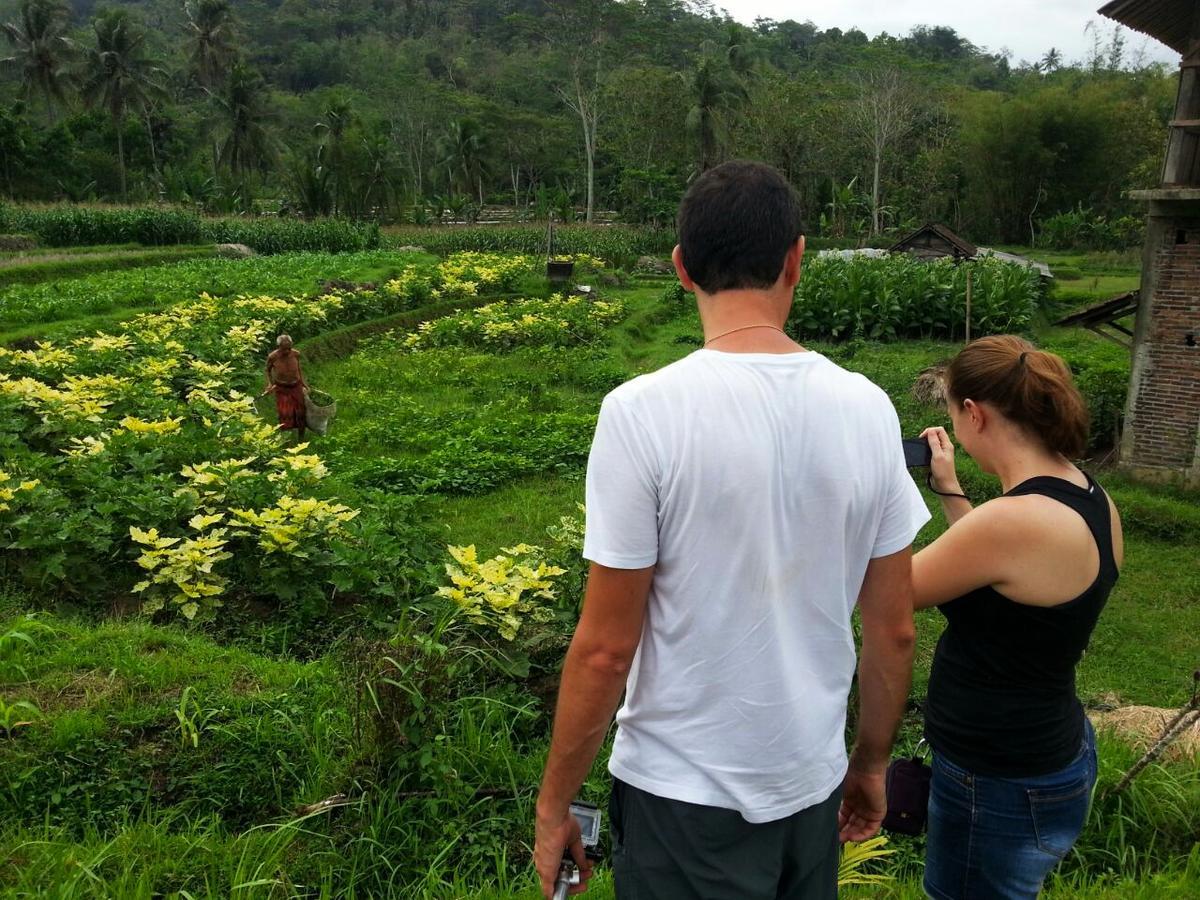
(1021, 581)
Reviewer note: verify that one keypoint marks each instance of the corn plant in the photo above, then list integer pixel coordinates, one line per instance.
(19, 714)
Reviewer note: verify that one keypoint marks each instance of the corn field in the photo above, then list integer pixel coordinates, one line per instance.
(900, 297)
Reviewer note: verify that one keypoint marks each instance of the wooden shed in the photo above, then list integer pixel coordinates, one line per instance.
(934, 241)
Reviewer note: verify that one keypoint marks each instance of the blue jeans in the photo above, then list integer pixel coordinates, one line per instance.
(998, 838)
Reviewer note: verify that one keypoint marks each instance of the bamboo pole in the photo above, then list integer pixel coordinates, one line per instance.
(970, 274)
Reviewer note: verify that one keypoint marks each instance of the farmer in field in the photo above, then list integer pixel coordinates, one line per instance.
(286, 381)
(740, 504)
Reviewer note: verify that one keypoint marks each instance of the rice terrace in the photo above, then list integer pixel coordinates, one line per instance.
(278, 625)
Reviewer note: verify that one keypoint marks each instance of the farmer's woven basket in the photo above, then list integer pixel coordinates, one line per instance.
(319, 410)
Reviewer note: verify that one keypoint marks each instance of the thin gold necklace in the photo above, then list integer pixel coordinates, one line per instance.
(743, 328)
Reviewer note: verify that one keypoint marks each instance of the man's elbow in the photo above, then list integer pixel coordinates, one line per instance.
(609, 661)
(898, 637)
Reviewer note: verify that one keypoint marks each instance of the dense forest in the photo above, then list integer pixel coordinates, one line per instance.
(418, 109)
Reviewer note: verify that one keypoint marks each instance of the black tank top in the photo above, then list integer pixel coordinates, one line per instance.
(1001, 697)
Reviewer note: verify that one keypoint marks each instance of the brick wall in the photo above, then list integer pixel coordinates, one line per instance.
(1166, 410)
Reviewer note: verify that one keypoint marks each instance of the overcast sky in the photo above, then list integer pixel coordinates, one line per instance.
(1026, 27)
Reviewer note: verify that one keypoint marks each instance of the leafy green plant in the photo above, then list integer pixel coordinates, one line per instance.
(18, 714)
(192, 719)
(18, 639)
(1083, 228)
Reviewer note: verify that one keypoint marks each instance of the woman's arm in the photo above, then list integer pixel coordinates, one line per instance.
(944, 475)
(981, 550)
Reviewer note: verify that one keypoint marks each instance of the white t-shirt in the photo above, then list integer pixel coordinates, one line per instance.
(759, 485)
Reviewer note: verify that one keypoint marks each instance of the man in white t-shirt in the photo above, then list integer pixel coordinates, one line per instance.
(740, 504)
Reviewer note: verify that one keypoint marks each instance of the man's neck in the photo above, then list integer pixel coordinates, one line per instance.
(746, 321)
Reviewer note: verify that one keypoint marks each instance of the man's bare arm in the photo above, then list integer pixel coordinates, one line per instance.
(593, 679)
(884, 676)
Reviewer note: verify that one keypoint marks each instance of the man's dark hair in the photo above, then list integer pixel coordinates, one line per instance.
(736, 224)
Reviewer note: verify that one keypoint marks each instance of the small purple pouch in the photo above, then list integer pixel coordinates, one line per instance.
(907, 786)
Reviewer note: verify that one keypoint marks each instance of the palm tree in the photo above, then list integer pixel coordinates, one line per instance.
(119, 76)
(41, 51)
(1052, 61)
(242, 120)
(210, 40)
(331, 132)
(464, 152)
(716, 91)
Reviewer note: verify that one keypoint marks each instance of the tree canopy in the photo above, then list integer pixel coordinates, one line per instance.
(388, 109)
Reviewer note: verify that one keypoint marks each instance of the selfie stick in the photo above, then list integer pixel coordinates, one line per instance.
(588, 818)
(568, 875)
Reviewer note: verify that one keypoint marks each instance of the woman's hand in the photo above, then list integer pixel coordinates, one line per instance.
(945, 475)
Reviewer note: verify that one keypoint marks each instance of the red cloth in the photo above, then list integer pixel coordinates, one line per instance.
(289, 404)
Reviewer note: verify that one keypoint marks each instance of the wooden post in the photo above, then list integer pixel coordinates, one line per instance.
(970, 273)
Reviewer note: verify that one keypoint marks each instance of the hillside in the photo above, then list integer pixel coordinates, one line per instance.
(404, 109)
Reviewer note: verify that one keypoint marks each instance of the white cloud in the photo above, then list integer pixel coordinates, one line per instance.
(1026, 27)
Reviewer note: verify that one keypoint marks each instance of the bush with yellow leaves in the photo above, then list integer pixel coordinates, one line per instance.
(557, 321)
(500, 592)
(181, 569)
(290, 525)
(8, 493)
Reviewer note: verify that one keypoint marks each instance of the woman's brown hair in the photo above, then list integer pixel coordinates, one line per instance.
(1029, 386)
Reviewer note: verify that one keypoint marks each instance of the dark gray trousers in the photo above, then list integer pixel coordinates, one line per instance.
(671, 850)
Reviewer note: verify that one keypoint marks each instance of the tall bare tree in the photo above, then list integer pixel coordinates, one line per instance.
(582, 32)
(882, 113)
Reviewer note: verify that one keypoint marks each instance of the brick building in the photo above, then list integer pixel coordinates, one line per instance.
(1162, 414)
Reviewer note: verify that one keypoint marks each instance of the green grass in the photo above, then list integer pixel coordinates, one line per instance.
(257, 735)
(519, 511)
(22, 269)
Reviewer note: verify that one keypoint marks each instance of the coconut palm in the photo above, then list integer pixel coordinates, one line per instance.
(1052, 61)
(42, 52)
(716, 92)
(210, 45)
(464, 152)
(243, 117)
(119, 76)
(330, 131)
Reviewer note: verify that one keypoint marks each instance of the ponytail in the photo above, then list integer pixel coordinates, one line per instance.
(1030, 387)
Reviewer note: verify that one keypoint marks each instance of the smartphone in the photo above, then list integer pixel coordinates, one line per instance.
(917, 453)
